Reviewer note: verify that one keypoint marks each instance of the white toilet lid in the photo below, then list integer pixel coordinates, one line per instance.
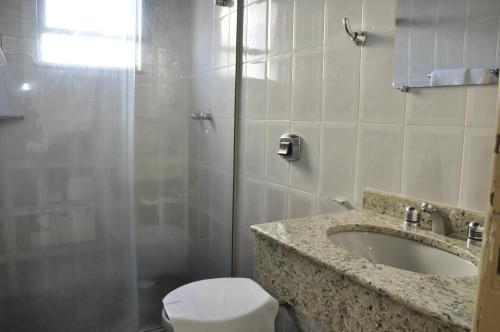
(220, 304)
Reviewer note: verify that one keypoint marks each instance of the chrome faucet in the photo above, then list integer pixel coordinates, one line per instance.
(440, 225)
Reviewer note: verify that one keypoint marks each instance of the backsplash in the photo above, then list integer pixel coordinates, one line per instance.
(395, 205)
(302, 74)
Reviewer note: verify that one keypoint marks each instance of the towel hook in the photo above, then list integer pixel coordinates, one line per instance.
(359, 38)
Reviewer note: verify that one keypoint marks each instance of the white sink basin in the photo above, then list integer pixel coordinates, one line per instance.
(403, 253)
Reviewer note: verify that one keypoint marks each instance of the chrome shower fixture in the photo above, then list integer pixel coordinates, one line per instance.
(223, 3)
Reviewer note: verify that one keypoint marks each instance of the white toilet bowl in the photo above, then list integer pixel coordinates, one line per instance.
(220, 305)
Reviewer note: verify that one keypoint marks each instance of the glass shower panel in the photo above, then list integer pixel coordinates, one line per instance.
(67, 262)
(183, 166)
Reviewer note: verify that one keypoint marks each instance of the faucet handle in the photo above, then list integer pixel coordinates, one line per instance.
(426, 207)
(411, 217)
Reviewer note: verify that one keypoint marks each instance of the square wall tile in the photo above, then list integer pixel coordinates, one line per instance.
(256, 30)
(279, 87)
(244, 253)
(223, 145)
(233, 34)
(280, 25)
(308, 23)
(481, 106)
(221, 103)
(379, 101)
(433, 162)
(335, 12)
(220, 205)
(203, 46)
(379, 15)
(254, 90)
(221, 42)
(477, 168)
(275, 202)
(307, 81)
(277, 168)
(301, 204)
(437, 106)
(379, 159)
(304, 172)
(337, 167)
(250, 203)
(341, 83)
(252, 143)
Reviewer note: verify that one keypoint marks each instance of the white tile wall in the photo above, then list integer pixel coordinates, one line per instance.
(432, 162)
(379, 158)
(306, 87)
(308, 23)
(475, 183)
(280, 26)
(358, 131)
(341, 83)
(303, 173)
(279, 87)
(254, 90)
(337, 167)
(422, 106)
(256, 30)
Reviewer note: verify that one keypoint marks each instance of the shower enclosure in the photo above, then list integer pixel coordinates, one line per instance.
(111, 194)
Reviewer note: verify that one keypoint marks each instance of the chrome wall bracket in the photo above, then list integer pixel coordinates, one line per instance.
(358, 37)
(202, 116)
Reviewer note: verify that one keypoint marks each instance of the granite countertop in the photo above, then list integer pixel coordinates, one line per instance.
(449, 300)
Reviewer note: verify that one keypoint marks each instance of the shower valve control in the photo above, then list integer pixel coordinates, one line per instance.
(289, 148)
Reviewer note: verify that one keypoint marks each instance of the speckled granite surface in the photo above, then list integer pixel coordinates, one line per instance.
(296, 260)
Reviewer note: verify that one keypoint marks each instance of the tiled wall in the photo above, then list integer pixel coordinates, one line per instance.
(302, 74)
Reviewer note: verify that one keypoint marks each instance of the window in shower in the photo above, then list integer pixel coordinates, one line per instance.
(88, 33)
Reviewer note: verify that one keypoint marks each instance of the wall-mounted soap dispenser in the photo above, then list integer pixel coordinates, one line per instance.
(289, 148)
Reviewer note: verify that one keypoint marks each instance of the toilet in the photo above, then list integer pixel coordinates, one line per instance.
(219, 305)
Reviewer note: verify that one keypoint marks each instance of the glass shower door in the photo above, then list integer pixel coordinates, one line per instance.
(183, 166)
(67, 260)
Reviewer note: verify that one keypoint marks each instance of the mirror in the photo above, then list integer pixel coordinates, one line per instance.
(446, 42)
